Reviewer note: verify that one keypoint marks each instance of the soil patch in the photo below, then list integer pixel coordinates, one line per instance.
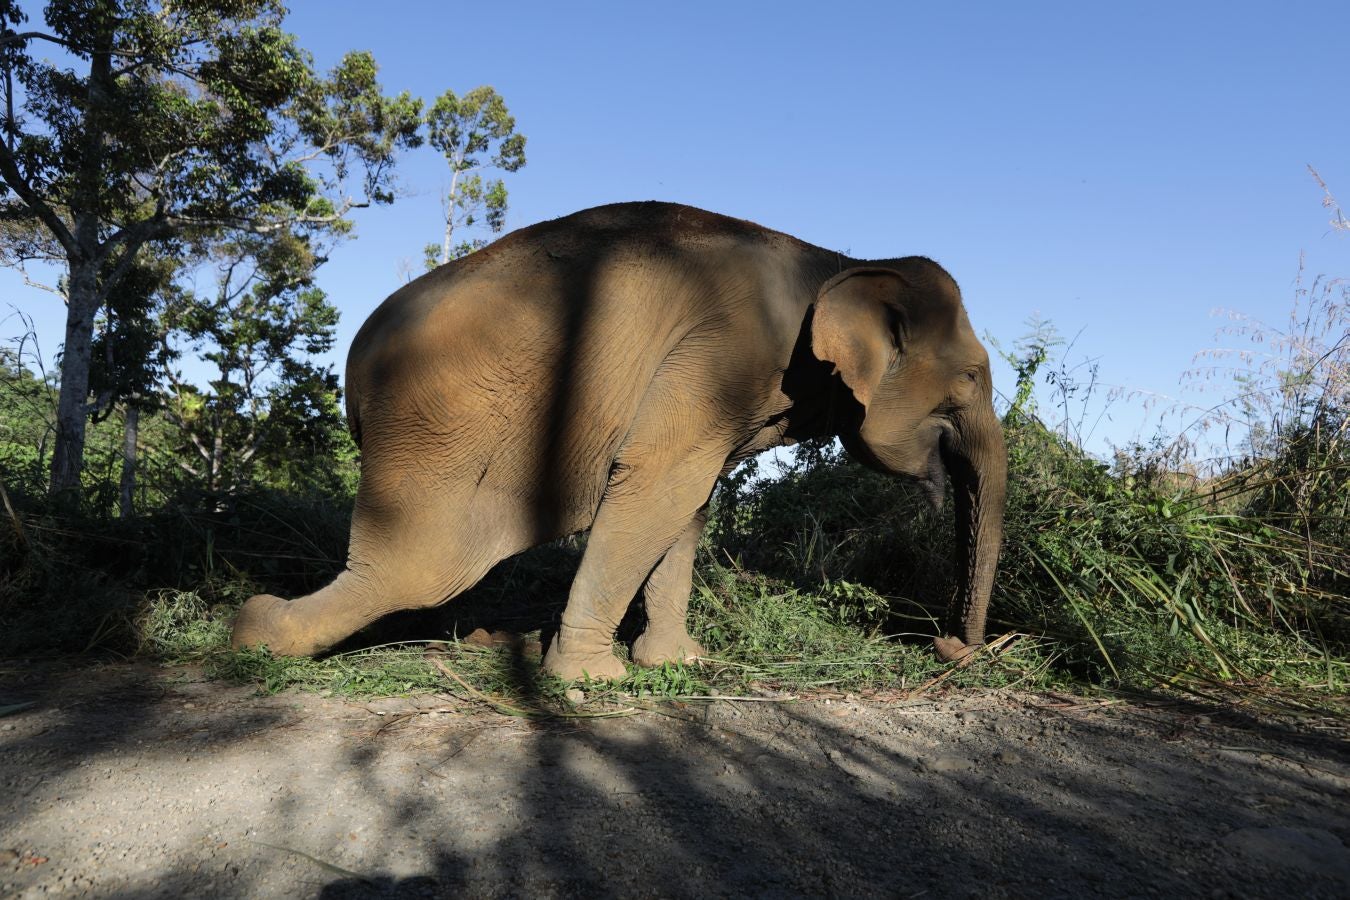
(133, 781)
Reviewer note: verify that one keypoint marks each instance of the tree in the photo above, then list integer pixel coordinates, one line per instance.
(265, 398)
(126, 356)
(168, 118)
(474, 132)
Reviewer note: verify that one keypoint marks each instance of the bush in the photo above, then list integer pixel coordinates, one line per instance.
(72, 581)
(1137, 573)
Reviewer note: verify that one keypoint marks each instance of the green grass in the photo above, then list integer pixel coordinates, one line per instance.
(763, 637)
(824, 579)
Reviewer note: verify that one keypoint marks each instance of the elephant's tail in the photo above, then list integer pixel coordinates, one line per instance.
(353, 417)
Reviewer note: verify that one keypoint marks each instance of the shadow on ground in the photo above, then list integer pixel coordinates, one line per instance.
(134, 782)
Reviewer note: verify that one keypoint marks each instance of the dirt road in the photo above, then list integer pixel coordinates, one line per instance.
(125, 781)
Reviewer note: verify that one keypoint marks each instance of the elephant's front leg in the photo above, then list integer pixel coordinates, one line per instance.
(666, 599)
(644, 514)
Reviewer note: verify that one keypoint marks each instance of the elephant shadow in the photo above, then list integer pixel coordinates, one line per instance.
(449, 871)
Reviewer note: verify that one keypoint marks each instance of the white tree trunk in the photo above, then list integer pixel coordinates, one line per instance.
(450, 214)
(72, 411)
(130, 432)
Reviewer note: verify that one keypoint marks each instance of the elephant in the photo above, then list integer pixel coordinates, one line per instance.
(600, 371)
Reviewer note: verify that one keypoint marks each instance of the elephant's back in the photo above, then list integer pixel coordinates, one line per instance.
(558, 262)
(622, 276)
(522, 365)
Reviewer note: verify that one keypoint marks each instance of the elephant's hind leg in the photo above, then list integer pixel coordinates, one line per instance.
(665, 597)
(400, 558)
(307, 625)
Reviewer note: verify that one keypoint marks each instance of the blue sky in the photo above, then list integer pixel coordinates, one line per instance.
(1120, 169)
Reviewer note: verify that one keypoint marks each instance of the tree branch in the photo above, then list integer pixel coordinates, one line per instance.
(9, 171)
(250, 226)
(10, 37)
(138, 233)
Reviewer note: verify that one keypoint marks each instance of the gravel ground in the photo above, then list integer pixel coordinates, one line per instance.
(128, 781)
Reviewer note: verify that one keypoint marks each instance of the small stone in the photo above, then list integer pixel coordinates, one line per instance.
(480, 637)
(947, 764)
(575, 696)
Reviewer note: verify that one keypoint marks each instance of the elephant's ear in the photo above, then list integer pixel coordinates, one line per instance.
(858, 324)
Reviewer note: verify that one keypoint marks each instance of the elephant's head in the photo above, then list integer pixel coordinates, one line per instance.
(898, 337)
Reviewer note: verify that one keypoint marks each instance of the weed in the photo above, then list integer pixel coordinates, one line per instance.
(667, 681)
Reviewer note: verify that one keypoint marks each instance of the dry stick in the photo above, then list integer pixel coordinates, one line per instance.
(1265, 751)
(13, 516)
(326, 866)
(507, 709)
(990, 648)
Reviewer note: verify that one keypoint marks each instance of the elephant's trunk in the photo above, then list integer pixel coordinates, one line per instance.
(978, 466)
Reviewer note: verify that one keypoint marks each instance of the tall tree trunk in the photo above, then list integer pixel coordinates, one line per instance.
(72, 408)
(130, 432)
(84, 259)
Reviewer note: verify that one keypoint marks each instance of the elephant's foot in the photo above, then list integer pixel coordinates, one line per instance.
(653, 649)
(571, 657)
(269, 620)
(950, 649)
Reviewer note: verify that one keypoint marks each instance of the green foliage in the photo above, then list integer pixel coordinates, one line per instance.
(474, 132)
(94, 165)
(669, 681)
(268, 408)
(72, 582)
(178, 625)
(769, 632)
(27, 420)
(1136, 574)
(831, 526)
(128, 346)
(379, 672)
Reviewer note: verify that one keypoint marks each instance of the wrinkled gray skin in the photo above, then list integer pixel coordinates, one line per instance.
(600, 371)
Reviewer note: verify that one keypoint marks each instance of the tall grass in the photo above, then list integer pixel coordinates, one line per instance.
(1131, 573)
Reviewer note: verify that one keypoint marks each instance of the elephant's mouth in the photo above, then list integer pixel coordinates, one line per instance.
(925, 470)
(933, 482)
